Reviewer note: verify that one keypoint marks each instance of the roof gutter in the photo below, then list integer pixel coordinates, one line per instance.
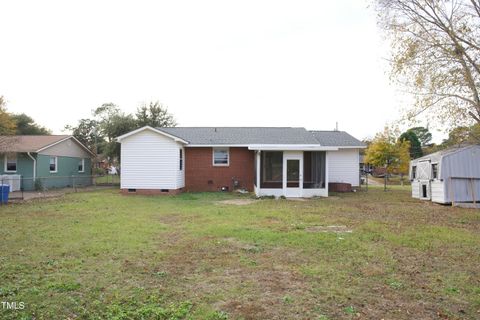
(34, 166)
(290, 147)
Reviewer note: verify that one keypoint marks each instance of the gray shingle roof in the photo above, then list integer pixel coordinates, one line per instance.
(336, 139)
(261, 135)
(242, 135)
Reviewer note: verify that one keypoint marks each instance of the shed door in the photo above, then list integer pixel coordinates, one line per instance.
(424, 169)
(425, 190)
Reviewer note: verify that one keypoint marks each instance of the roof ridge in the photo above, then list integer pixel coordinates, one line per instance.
(194, 127)
(37, 135)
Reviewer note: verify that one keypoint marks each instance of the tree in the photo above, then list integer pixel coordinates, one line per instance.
(403, 149)
(415, 145)
(388, 152)
(116, 126)
(86, 132)
(112, 122)
(436, 55)
(462, 135)
(154, 115)
(109, 122)
(7, 123)
(27, 126)
(423, 135)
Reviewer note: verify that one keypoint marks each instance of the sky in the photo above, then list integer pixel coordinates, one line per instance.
(213, 63)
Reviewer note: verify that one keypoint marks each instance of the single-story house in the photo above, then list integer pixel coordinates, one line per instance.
(44, 161)
(451, 175)
(291, 162)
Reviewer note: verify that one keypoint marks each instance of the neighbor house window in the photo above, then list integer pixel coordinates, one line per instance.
(53, 164)
(181, 159)
(10, 163)
(435, 171)
(414, 172)
(81, 165)
(221, 157)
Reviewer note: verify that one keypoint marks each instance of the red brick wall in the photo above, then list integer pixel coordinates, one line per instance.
(202, 175)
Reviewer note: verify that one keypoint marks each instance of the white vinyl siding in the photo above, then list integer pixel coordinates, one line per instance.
(343, 166)
(150, 160)
(415, 189)
(438, 192)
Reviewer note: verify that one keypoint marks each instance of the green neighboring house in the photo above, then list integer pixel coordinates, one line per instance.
(46, 161)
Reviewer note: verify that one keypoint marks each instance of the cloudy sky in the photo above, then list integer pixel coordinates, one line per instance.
(213, 63)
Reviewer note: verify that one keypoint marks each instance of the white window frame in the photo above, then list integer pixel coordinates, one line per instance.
(56, 164)
(83, 166)
(5, 164)
(221, 164)
(438, 172)
(414, 172)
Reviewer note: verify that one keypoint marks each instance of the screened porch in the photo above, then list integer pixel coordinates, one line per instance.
(291, 173)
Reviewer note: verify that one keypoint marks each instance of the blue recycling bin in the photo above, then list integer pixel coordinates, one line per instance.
(4, 191)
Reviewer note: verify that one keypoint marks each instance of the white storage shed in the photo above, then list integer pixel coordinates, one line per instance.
(447, 176)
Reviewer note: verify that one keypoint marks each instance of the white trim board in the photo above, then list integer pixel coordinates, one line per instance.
(126, 135)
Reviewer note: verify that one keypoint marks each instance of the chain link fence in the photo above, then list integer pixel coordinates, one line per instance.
(25, 188)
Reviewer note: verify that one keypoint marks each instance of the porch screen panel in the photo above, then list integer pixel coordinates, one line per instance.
(314, 170)
(271, 168)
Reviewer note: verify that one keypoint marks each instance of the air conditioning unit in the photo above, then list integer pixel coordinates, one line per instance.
(13, 180)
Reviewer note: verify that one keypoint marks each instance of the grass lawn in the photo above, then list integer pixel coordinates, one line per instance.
(100, 255)
(108, 179)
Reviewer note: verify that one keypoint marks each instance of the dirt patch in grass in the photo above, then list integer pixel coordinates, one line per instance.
(170, 219)
(334, 229)
(236, 202)
(241, 245)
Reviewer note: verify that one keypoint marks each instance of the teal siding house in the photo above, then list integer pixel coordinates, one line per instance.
(44, 162)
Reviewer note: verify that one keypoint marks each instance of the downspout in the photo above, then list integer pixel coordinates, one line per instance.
(34, 166)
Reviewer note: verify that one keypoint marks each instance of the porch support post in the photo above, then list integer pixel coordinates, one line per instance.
(326, 171)
(257, 158)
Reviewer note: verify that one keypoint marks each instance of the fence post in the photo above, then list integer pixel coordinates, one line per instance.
(73, 184)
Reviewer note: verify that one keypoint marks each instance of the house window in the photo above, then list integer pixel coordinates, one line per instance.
(221, 157)
(10, 163)
(53, 164)
(434, 170)
(414, 172)
(81, 165)
(181, 160)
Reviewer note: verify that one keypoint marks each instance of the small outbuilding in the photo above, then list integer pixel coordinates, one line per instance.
(447, 176)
